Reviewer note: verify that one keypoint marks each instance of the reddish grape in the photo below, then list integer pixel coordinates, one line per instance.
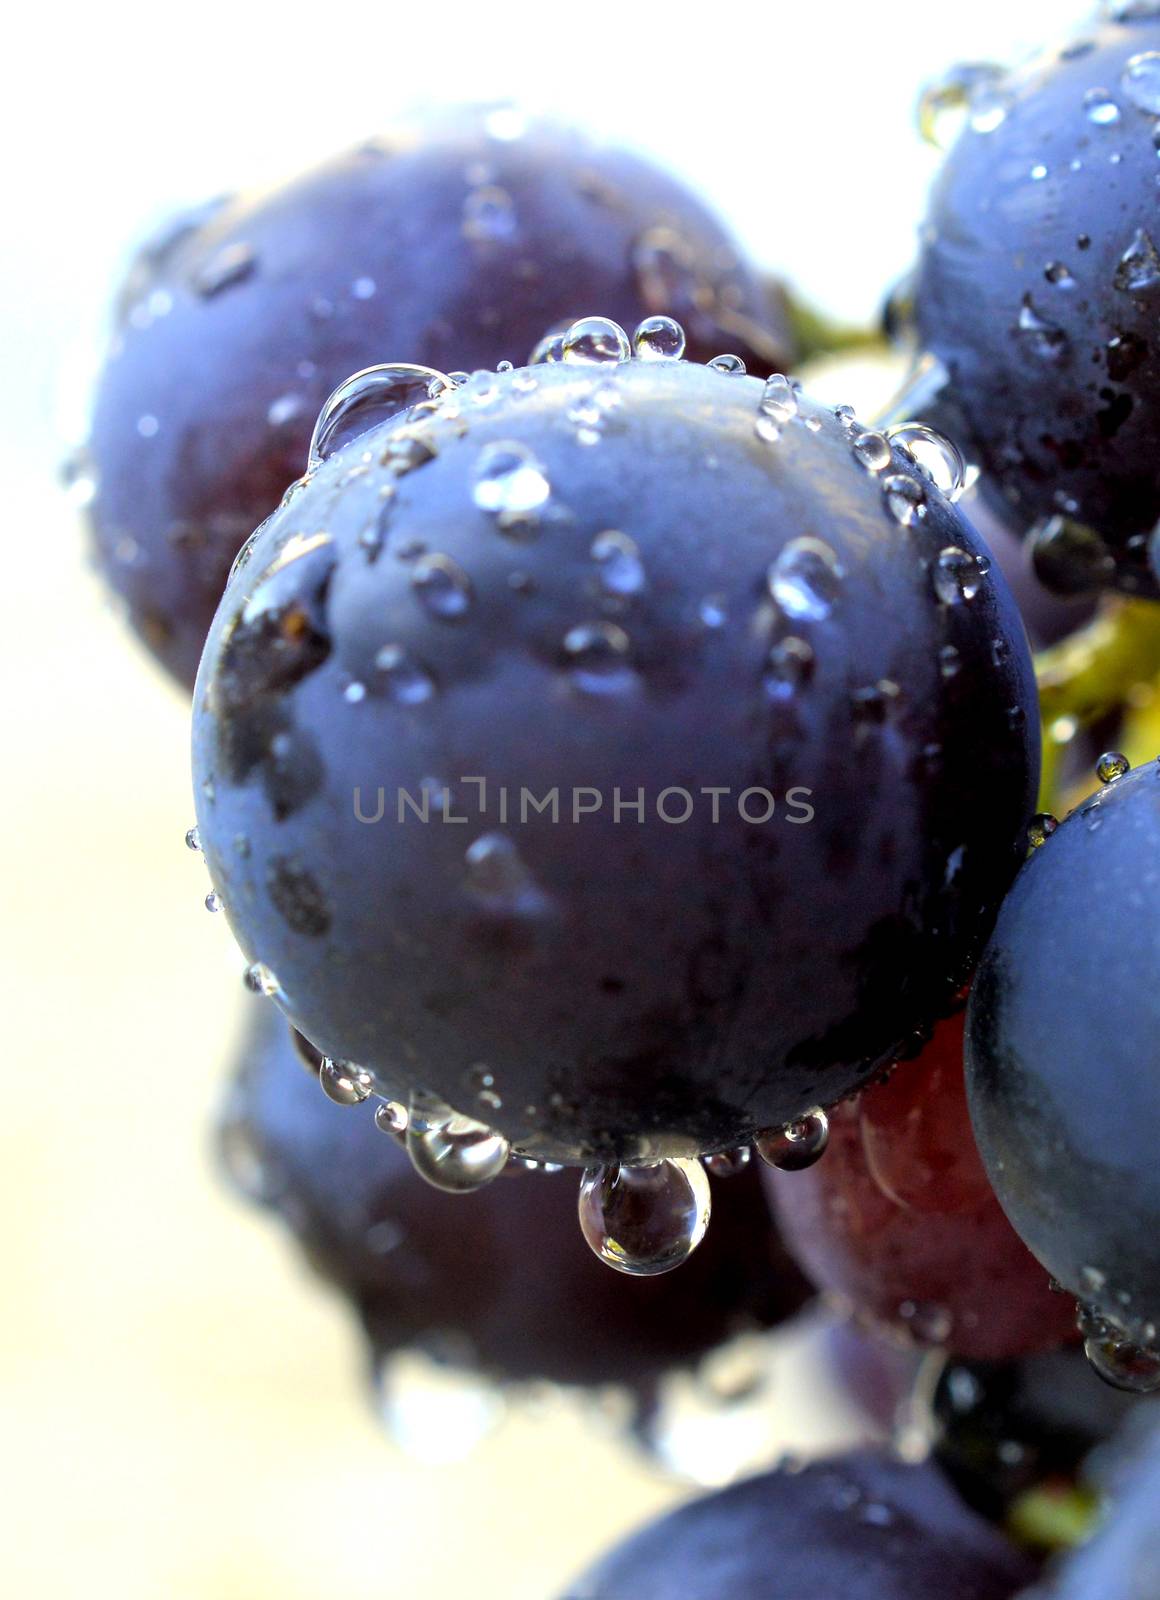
(898, 1218)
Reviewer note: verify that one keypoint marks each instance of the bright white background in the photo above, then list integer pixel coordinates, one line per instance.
(180, 1412)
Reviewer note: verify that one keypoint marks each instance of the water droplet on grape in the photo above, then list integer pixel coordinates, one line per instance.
(193, 839)
(403, 680)
(261, 979)
(621, 568)
(1110, 766)
(442, 586)
(905, 499)
(509, 481)
(798, 1144)
(645, 1220)
(1100, 108)
(806, 579)
(778, 399)
(344, 1083)
(1139, 266)
(936, 457)
(1040, 829)
(957, 575)
(872, 450)
(659, 339)
(366, 398)
(596, 341)
(451, 1151)
(391, 1117)
(732, 366)
(597, 656)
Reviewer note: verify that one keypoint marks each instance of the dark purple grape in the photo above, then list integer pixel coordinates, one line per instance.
(1038, 288)
(861, 1526)
(456, 244)
(1061, 1037)
(504, 1285)
(594, 579)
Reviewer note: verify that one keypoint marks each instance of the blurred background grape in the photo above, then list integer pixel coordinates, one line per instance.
(182, 1412)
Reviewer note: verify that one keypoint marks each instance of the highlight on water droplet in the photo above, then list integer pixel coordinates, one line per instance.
(732, 366)
(401, 678)
(645, 1220)
(658, 339)
(442, 586)
(451, 1151)
(369, 397)
(1100, 108)
(597, 656)
(796, 1145)
(596, 341)
(621, 568)
(391, 1117)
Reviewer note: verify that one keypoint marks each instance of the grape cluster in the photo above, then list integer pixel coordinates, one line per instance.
(627, 776)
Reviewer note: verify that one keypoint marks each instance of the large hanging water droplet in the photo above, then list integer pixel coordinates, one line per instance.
(645, 1220)
(1139, 266)
(659, 339)
(798, 1144)
(1141, 82)
(193, 840)
(596, 341)
(452, 1152)
(806, 579)
(1111, 766)
(509, 481)
(392, 1117)
(344, 1083)
(935, 456)
(957, 575)
(369, 397)
(442, 586)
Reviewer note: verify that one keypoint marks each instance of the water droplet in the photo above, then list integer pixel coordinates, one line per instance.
(778, 399)
(1044, 339)
(798, 1144)
(509, 481)
(452, 1152)
(1115, 1358)
(1141, 82)
(549, 350)
(937, 458)
(969, 88)
(949, 661)
(230, 265)
(806, 579)
(214, 901)
(344, 1083)
(957, 575)
(498, 877)
(402, 678)
(261, 979)
(659, 339)
(645, 1220)
(489, 215)
(732, 366)
(872, 450)
(442, 586)
(1057, 274)
(621, 568)
(596, 341)
(728, 1163)
(597, 655)
(1100, 108)
(789, 667)
(1040, 829)
(905, 498)
(1139, 266)
(367, 398)
(1111, 766)
(193, 839)
(391, 1117)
